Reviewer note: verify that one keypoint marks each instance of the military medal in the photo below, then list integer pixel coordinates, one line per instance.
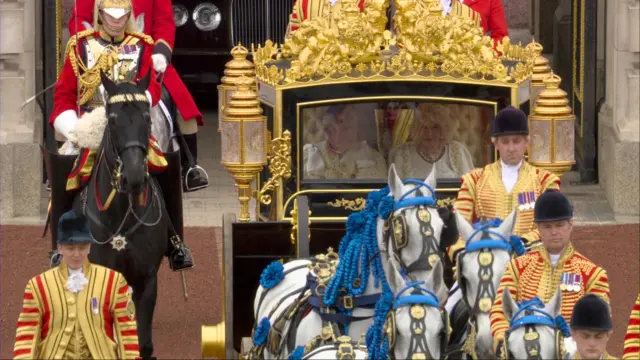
(563, 282)
(118, 242)
(94, 305)
(526, 200)
(577, 281)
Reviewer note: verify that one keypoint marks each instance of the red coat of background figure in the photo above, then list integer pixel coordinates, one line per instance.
(492, 18)
(160, 25)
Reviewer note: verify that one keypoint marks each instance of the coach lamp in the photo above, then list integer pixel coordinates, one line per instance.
(244, 132)
(234, 69)
(541, 70)
(552, 129)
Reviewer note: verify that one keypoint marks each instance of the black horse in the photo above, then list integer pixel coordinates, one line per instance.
(131, 228)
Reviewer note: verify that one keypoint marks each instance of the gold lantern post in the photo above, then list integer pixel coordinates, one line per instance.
(234, 69)
(552, 129)
(244, 133)
(541, 71)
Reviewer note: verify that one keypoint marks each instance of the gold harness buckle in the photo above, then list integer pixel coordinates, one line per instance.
(347, 302)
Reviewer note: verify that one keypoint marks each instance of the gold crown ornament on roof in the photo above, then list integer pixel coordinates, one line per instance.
(345, 43)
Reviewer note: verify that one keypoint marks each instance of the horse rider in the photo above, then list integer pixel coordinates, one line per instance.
(76, 310)
(114, 48)
(541, 271)
(632, 338)
(508, 183)
(157, 16)
(591, 328)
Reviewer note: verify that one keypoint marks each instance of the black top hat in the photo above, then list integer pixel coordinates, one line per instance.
(552, 206)
(73, 228)
(591, 312)
(511, 121)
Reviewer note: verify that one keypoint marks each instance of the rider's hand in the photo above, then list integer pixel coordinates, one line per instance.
(159, 63)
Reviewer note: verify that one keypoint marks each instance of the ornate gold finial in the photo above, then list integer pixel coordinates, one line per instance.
(239, 66)
(552, 101)
(244, 101)
(541, 68)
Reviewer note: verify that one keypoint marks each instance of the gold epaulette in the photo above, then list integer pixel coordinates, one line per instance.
(146, 38)
(73, 41)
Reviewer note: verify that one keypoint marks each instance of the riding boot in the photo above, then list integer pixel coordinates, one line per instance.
(178, 253)
(195, 177)
(58, 168)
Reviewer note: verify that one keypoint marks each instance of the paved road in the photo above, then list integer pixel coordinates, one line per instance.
(177, 324)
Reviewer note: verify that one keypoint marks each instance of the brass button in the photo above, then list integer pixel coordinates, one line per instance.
(68, 330)
(71, 301)
(72, 316)
(63, 344)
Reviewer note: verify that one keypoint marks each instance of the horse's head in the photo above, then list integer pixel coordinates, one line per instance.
(421, 325)
(536, 330)
(411, 233)
(126, 140)
(488, 249)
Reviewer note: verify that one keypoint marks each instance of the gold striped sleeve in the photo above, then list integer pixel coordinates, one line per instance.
(465, 203)
(294, 19)
(125, 321)
(499, 322)
(632, 338)
(598, 284)
(29, 325)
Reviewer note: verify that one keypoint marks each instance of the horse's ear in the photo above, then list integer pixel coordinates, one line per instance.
(143, 84)
(431, 179)
(109, 85)
(554, 306)
(395, 183)
(509, 305)
(506, 228)
(437, 282)
(464, 228)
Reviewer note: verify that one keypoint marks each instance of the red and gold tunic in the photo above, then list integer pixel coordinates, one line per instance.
(160, 25)
(483, 194)
(51, 314)
(632, 339)
(87, 54)
(312, 9)
(532, 275)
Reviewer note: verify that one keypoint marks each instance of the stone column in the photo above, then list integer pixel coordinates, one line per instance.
(619, 120)
(20, 159)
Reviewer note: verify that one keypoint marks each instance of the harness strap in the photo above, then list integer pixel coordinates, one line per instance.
(341, 319)
(347, 302)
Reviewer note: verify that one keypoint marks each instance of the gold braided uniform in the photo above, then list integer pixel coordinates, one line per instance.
(632, 338)
(483, 194)
(96, 323)
(533, 274)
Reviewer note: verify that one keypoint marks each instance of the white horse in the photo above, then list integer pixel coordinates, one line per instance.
(294, 309)
(421, 324)
(489, 248)
(536, 330)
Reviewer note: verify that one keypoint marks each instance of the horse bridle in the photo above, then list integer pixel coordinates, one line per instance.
(531, 336)
(396, 228)
(418, 301)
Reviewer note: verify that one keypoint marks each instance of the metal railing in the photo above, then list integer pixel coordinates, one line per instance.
(256, 21)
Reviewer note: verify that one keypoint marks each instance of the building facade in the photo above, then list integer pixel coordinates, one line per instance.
(601, 75)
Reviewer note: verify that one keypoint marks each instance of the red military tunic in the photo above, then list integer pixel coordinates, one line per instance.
(533, 274)
(160, 25)
(492, 18)
(65, 96)
(632, 338)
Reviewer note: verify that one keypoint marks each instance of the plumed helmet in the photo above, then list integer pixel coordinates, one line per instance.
(552, 206)
(115, 8)
(73, 228)
(511, 121)
(591, 312)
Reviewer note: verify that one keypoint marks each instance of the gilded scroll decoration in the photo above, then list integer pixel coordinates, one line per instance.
(279, 165)
(356, 204)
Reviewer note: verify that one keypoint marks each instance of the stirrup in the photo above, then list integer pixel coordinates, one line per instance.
(198, 170)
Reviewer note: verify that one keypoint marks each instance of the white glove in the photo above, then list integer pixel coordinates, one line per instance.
(65, 123)
(159, 63)
(570, 346)
(315, 164)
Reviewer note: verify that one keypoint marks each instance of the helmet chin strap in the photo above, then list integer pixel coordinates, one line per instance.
(109, 29)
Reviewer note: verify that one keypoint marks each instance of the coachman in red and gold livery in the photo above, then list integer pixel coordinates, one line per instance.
(632, 338)
(555, 264)
(495, 190)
